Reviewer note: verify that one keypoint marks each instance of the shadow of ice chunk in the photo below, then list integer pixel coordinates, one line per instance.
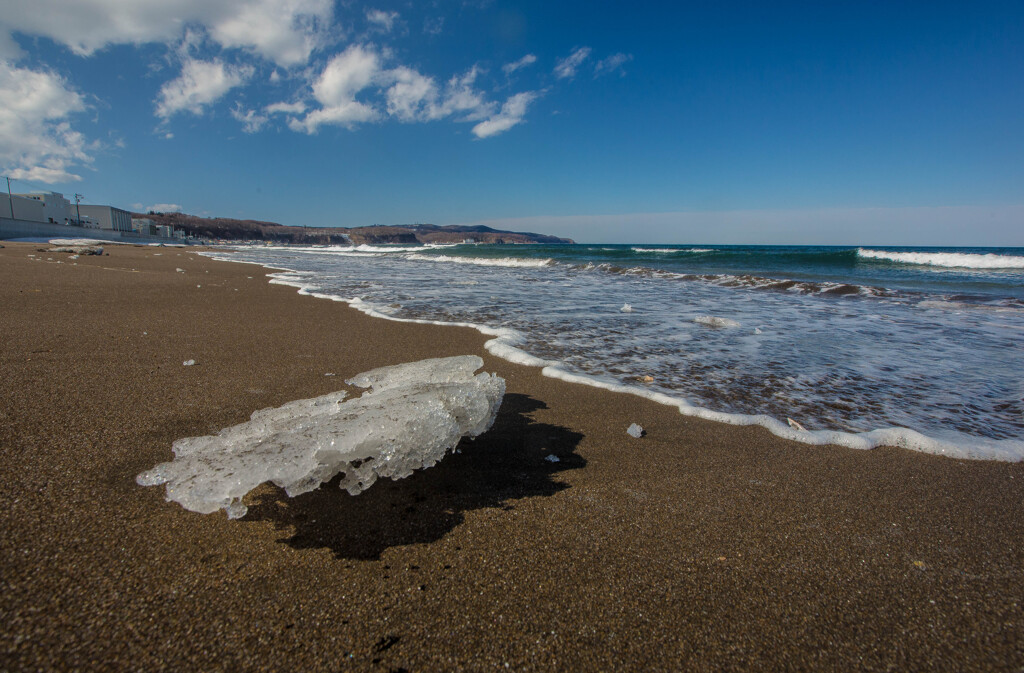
(410, 418)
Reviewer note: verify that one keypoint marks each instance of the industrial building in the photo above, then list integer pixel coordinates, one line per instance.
(17, 207)
(56, 208)
(53, 208)
(109, 217)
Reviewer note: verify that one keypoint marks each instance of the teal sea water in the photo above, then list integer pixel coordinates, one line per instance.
(847, 342)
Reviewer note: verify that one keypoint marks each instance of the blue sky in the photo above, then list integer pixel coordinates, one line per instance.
(639, 122)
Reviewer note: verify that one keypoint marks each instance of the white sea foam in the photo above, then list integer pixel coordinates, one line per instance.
(485, 261)
(410, 418)
(1009, 450)
(396, 248)
(715, 321)
(951, 305)
(796, 390)
(503, 345)
(348, 251)
(960, 260)
(672, 250)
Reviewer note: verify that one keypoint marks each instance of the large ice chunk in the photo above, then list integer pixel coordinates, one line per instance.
(412, 415)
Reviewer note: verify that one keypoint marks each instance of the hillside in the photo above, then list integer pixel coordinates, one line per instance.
(221, 228)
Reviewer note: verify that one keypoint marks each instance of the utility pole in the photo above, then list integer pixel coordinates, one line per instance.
(9, 197)
(78, 211)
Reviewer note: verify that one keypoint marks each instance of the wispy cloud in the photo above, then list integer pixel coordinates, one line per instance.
(566, 67)
(527, 60)
(512, 113)
(295, 108)
(163, 208)
(252, 121)
(433, 26)
(612, 64)
(381, 20)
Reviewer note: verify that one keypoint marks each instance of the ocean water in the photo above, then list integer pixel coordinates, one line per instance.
(915, 347)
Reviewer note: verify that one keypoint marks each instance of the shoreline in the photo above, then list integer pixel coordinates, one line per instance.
(967, 447)
(698, 546)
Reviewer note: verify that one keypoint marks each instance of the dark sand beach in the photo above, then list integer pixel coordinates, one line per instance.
(700, 546)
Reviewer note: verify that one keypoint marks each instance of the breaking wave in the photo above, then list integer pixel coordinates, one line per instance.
(669, 251)
(485, 261)
(949, 260)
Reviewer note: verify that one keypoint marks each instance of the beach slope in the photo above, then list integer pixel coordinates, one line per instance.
(699, 546)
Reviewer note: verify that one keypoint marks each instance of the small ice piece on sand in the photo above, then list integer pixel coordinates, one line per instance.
(180, 270)
(626, 308)
(635, 430)
(552, 458)
(793, 424)
(410, 418)
(715, 321)
(188, 363)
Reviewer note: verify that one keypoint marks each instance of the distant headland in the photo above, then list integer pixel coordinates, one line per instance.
(255, 230)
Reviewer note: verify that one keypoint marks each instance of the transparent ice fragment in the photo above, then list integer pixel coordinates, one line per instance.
(188, 363)
(410, 418)
(635, 430)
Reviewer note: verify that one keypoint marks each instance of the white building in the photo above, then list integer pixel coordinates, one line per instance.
(109, 217)
(56, 208)
(146, 226)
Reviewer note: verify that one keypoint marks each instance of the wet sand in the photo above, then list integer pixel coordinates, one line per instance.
(697, 547)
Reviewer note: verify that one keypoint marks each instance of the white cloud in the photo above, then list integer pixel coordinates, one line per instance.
(413, 97)
(335, 89)
(417, 98)
(567, 66)
(409, 96)
(382, 20)
(460, 97)
(37, 142)
(252, 121)
(286, 108)
(163, 208)
(512, 113)
(200, 84)
(510, 68)
(611, 64)
(283, 31)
